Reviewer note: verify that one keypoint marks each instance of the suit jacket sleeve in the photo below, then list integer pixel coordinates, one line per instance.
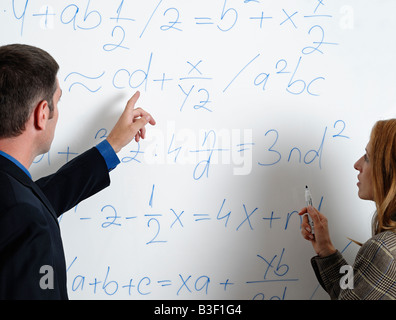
(79, 179)
(374, 271)
(327, 271)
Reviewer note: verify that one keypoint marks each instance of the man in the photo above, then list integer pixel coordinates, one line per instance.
(30, 240)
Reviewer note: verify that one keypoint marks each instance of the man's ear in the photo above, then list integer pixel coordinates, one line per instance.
(41, 115)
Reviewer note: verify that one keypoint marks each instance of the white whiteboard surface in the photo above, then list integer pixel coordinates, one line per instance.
(253, 101)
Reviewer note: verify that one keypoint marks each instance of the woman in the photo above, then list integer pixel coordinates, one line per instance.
(374, 269)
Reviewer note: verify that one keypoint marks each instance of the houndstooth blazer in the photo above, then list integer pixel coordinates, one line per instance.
(374, 271)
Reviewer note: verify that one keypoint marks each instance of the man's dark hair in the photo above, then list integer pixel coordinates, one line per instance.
(27, 76)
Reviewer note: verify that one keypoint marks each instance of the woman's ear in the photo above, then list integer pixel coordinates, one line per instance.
(41, 115)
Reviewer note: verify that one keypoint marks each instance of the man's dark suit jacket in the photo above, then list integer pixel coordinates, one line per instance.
(29, 230)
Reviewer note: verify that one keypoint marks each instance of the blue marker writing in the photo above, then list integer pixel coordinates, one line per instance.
(309, 202)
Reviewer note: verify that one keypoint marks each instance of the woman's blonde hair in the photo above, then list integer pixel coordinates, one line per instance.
(383, 158)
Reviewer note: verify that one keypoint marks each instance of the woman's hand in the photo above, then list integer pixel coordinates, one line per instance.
(321, 241)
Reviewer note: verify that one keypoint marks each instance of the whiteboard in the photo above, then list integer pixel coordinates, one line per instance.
(253, 100)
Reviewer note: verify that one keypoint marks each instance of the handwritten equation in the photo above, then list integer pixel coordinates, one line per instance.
(124, 25)
(224, 16)
(177, 219)
(227, 147)
(192, 87)
(274, 270)
(217, 70)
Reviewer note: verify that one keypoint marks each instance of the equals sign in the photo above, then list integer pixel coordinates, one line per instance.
(164, 283)
(201, 216)
(203, 20)
(242, 146)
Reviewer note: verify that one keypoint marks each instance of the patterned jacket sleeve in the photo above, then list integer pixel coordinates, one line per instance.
(374, 271)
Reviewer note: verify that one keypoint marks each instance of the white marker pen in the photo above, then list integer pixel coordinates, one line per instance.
(308, 202)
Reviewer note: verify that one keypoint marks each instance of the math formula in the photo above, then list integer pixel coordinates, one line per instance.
(250, 99)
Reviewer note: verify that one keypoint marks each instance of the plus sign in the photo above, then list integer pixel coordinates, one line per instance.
(227, 283)
(67, 153)
(260, 18)
(271, 218)
(162, 81)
